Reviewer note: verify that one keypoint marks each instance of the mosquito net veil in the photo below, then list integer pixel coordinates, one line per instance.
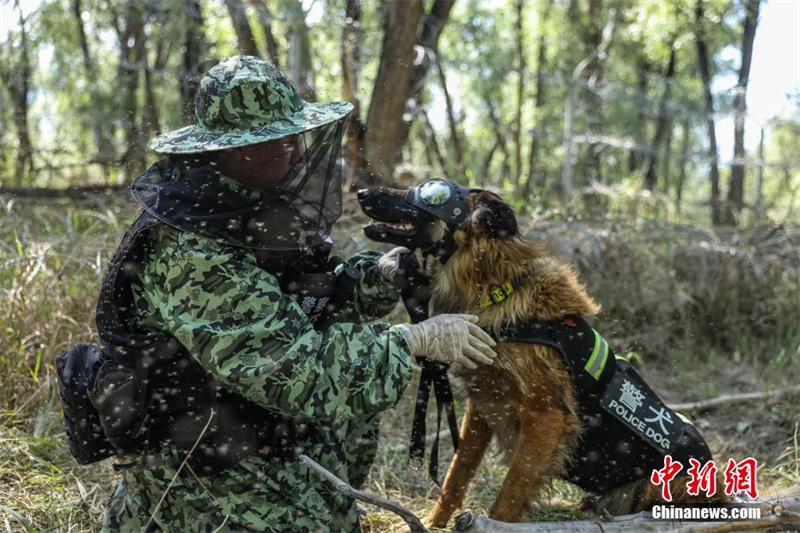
(190, 193)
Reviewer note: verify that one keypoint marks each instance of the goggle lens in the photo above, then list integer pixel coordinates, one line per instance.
(435, 192)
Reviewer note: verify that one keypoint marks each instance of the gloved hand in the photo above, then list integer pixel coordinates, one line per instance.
(451, 339)
(387, 263)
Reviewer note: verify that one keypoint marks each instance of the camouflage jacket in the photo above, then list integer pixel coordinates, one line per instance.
(233, 318)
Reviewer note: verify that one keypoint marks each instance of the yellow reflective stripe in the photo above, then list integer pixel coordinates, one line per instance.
(602, 365)
(598, 341)
(684, 418)
(597, 361)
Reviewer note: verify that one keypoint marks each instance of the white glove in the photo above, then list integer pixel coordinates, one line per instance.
(387, 263)
(450, 339)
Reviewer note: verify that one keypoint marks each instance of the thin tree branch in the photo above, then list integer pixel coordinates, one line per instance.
(410, 518)
(726, 399)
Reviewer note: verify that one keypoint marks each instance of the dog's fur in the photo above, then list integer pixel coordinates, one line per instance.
(526, 398)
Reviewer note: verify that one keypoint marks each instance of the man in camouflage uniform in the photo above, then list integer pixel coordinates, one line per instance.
(210, 287)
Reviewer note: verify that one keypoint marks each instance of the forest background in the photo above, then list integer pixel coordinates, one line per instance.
(620, 130)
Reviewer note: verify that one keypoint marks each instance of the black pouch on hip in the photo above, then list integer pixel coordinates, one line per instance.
(77, 371)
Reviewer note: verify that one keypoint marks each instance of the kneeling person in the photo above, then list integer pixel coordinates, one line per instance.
(224, 303)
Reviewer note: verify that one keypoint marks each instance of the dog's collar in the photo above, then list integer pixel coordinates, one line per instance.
(497, 295)
(501, 291)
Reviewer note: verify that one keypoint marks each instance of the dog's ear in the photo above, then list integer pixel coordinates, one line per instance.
(493, 217)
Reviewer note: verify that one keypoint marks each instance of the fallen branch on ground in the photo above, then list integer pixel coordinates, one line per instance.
(784, 512)
(735, 398)
(410, 518)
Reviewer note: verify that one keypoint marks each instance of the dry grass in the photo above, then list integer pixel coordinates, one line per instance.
(666, 290)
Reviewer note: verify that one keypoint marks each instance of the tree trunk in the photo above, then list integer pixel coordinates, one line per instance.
(131, 61)
(499, 136)
(539, 104)
(640, 128)
(244, 34)
(705, 73)
(425, 140)
(3, 155)
(433, 23)
(759, 183)
(662, 125)
(682, 168)
(152, 124)
(451, 120)
(195, 44)
(596, 38)
(520, 97)
(444, 168)
(301, 70)
(101, 143)
(18, 85)
(592, 36)
(487, 163)
(383, 135)
(351, 34)
(733, 207)
(667, 158)
(265, 19)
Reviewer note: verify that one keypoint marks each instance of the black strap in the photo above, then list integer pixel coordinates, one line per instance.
(143, 363)
(444, 400)
(417, 446)
(433, 376)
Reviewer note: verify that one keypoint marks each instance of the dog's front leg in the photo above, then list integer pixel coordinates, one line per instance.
(539, 435)
(475, 437)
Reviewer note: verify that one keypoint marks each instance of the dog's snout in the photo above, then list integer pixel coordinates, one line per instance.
(362, 193)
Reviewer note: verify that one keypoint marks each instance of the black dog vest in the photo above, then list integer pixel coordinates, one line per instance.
(627, 429)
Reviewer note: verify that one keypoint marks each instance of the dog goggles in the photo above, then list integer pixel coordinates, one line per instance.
(444, 199)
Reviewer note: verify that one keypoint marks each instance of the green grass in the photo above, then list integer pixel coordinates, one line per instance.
(52, 260)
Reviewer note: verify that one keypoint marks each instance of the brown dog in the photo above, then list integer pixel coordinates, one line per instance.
(527, 398)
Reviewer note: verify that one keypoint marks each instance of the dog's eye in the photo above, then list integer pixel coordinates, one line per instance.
(435, 192)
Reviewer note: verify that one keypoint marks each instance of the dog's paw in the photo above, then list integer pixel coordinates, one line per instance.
(434, 521)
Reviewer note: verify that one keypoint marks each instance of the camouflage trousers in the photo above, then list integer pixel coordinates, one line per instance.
(257, 494)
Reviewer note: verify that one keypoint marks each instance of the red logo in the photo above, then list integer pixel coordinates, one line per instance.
(704, 479)
(739, 477)
(665, 475)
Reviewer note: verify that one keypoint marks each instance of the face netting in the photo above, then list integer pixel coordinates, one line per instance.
(190, 194)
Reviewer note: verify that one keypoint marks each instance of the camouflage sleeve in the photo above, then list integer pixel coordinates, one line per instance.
(234, 319)
(373, 297)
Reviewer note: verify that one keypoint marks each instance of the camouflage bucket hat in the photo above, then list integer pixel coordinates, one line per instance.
(245, 100)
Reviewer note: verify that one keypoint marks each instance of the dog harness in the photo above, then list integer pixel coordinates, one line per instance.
(627, 429)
